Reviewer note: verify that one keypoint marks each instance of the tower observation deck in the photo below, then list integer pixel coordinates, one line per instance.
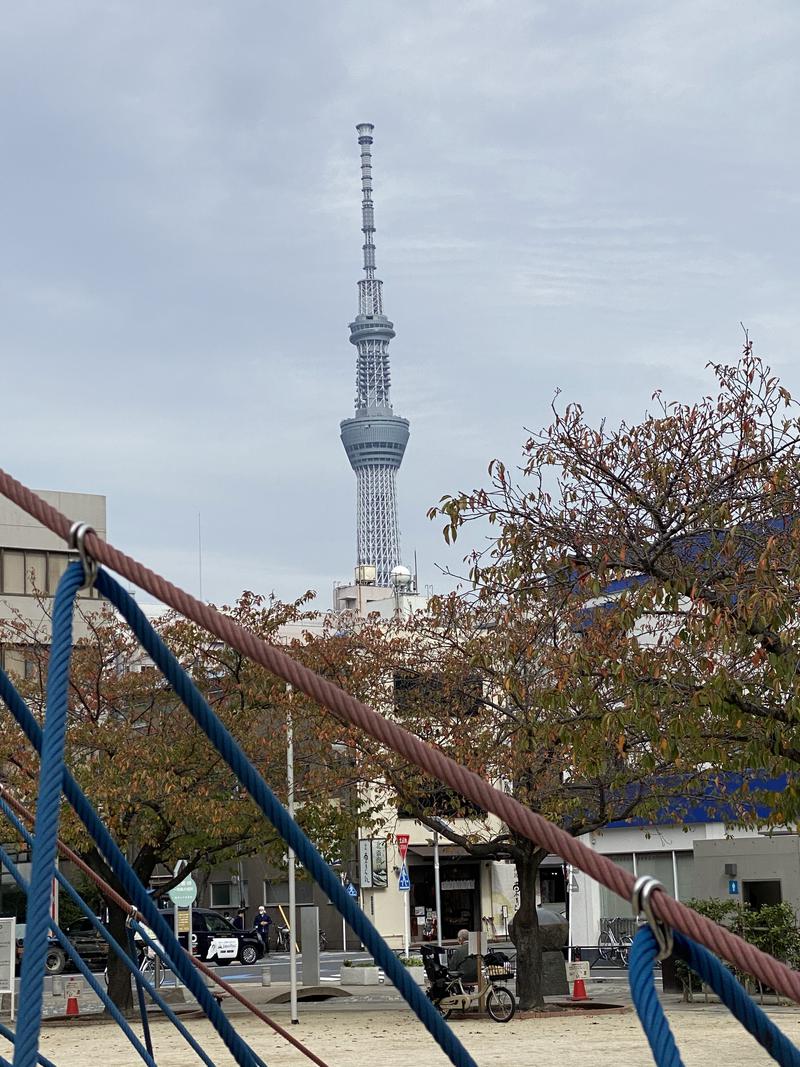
(375, 439)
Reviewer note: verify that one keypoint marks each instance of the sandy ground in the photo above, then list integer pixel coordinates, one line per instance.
(396, 1039)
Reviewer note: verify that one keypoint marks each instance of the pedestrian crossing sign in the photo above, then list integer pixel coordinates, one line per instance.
(405, 882)
(351, 890)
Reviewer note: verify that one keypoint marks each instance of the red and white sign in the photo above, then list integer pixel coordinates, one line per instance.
(402, 844)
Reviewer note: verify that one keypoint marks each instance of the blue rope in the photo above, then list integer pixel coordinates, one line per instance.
(112, 943)
(70, 950)
(137, 975)
(274, 811)
(9, 1035)
(719, 978)
(131, 886)
(48, 811)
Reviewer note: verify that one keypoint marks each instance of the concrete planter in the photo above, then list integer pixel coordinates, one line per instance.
(361, 976)
(416, 974)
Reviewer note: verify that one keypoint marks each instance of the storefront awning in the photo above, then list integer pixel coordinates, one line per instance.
(425, 852)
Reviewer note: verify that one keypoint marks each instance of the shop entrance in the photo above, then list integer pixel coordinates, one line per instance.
(460, 888)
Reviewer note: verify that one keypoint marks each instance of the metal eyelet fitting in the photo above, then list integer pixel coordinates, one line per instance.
(643, 889)
(77, 540)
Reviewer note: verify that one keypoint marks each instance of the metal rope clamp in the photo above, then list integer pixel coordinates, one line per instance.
(77, 540)
(641, 903)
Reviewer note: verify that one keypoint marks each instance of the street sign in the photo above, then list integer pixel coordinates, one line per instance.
(8, 958)
(365, 862)
(405, 882)
(183, 920)
(402, 844)
(184, 894)
(351, 890)
(733, 887)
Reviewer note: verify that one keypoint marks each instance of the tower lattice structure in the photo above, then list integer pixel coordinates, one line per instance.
(375, 439)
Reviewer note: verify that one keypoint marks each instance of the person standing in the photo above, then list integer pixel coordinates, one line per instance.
(262, 925)
(238, 922)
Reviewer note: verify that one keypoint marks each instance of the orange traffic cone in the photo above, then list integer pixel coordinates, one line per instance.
(72, 1007)
(579, 990)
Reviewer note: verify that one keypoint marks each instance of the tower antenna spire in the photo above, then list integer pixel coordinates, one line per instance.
(375, 439)
(367, 206)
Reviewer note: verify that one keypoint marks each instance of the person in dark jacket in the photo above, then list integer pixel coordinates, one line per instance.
(460, 959)
(238, 922)
(262, 925)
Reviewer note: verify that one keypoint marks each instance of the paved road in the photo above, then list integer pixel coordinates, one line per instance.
(330, 967)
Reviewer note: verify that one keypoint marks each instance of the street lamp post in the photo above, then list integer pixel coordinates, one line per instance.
(438, 885)
(292, 898)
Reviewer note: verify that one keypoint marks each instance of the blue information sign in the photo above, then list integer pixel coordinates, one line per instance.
(733, 887)
(405, 882)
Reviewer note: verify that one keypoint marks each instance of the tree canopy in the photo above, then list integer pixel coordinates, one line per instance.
(163, 791)
(673, 545)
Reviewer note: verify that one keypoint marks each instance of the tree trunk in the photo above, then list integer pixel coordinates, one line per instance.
(526, 933)
(120, 989)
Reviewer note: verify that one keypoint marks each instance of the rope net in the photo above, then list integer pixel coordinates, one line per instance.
(54, 777)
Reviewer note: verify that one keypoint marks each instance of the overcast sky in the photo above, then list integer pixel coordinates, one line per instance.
(586, 195)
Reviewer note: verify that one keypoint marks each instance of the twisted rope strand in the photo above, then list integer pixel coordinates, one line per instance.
(719, 978)
(525, 822)
(48, 812)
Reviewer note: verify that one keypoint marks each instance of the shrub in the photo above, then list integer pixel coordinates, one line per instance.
(772, 928)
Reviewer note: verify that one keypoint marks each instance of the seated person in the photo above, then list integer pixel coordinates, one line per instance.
(461, 961)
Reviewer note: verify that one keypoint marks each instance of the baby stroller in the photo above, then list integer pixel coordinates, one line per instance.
(434, 960)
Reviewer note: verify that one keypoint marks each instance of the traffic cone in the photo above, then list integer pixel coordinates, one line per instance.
(579, 990)
(72, 1007)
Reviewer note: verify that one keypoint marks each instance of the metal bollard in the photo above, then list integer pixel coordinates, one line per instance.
(266, 976)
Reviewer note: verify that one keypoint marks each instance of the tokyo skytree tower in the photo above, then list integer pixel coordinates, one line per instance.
(376, 438)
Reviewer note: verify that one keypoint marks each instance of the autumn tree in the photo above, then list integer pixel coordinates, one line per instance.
(671, 546)
(163, 791)
(481, 680)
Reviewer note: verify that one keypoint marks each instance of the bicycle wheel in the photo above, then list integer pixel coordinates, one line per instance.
(605, 947)
(625, 950)
(444, 1012)
(500, 1003)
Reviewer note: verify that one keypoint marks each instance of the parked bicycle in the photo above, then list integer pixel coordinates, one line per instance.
(282, 939)
(450, 991)
(613, 945)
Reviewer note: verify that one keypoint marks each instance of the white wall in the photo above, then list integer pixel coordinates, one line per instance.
(585, 903)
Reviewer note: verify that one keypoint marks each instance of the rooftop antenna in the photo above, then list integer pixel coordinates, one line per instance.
(199, 558)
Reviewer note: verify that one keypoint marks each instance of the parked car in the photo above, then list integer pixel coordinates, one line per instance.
(216, 940)
(56, 960)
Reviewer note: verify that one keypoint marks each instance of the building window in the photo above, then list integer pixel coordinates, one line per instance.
(276, 893)
(15, 661)
(56, 565)
(13, 572)
(35, 573)
(221, 893)
(663, 866)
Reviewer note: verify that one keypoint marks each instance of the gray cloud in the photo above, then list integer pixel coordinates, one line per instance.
(587, 196)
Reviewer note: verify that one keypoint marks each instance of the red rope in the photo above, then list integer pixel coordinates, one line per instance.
(349, 710)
